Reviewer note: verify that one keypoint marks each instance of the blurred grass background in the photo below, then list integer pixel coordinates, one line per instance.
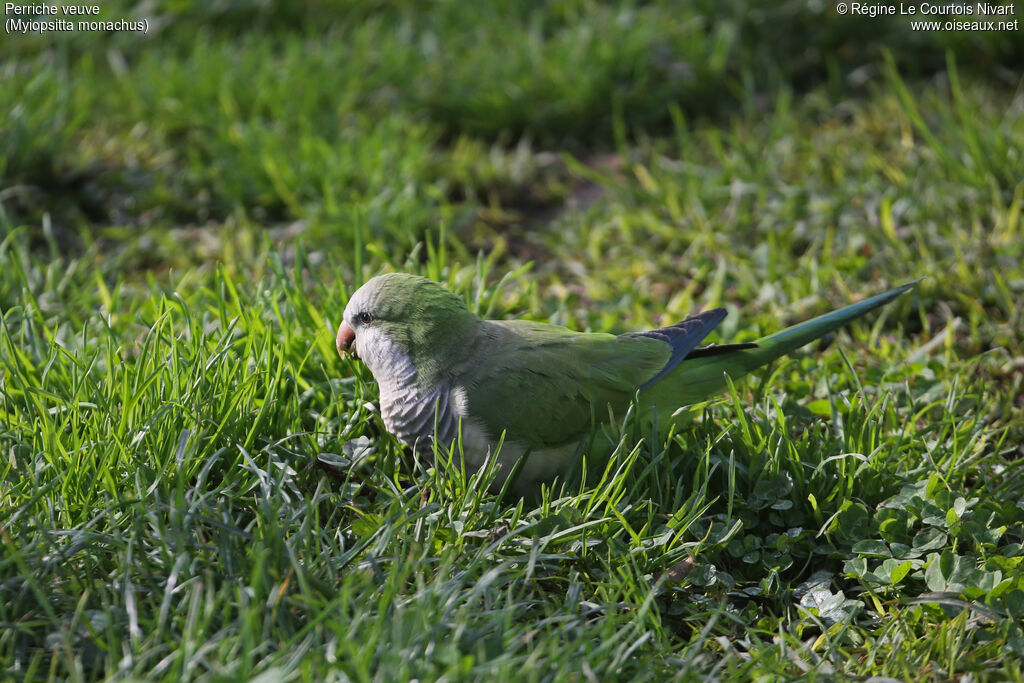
(255, 112)
(183, 215)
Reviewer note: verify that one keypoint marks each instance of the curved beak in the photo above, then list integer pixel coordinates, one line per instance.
(346, 337)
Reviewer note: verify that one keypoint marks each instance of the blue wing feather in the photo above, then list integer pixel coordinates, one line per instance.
(683, 337)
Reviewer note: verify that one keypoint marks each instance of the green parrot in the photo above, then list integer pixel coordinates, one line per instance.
(535, 388)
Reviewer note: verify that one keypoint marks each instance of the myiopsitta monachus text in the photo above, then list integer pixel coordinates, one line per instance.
(537, 388)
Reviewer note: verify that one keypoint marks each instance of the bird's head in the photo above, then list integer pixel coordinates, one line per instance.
(398, 317)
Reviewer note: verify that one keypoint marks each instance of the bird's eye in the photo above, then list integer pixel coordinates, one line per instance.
(364, 318)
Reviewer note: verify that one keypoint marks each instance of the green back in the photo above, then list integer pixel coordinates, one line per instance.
(547, 384)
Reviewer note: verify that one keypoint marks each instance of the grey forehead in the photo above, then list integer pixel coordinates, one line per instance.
(362, 297)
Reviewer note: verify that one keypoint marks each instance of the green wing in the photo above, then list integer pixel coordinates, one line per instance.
(543, 384)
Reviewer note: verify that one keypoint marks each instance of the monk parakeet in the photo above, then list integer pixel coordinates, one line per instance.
(440, 367)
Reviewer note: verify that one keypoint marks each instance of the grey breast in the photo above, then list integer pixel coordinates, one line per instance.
(412, 416)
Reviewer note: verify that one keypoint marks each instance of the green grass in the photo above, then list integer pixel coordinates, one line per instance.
(194, 486)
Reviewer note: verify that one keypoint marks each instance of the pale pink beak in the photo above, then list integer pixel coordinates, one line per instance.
(346, 336)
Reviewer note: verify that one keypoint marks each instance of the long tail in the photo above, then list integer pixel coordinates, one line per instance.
(702, 373)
